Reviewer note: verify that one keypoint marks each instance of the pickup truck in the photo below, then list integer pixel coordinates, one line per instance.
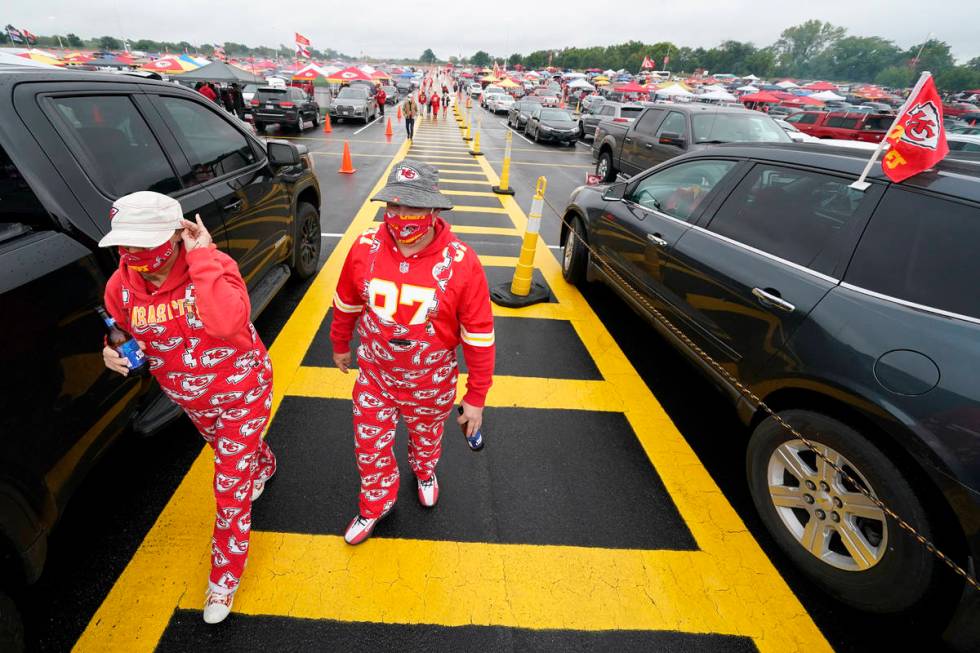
(662, 132)
(607, 110)
(71, 142)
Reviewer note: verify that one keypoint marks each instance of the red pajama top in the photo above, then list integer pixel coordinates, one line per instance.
(403, 289)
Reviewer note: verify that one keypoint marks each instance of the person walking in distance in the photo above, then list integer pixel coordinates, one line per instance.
(186, 304)
(381, 97)
(415, 292)
(435, 101)
(410, 109)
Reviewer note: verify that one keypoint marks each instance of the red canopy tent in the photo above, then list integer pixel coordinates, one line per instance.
(350, 74)
(631, 87)
(379, 75)
(820, 86)
(764, 96)
(801, 101)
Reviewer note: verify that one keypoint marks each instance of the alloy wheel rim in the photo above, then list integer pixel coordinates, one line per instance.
(567, 257)
(603, 167)
(827, 514)
(308, 247)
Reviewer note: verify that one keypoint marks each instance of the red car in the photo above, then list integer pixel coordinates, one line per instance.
(851, 126)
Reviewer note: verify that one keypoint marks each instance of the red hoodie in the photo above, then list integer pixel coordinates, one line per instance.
(464, 316)
(199, 339)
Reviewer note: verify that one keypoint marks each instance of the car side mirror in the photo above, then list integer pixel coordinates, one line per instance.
(615, 193)
(671, 139)
(283, 153)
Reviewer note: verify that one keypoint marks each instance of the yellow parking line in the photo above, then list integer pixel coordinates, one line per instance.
(470, 193)
(463, 181)
(509, 391)
(455, 164)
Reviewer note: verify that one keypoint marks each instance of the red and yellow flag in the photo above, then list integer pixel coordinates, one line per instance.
(917, 139)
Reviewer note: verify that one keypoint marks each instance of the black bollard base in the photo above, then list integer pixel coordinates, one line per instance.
(502, 191)
(476, 153)
(502, 296)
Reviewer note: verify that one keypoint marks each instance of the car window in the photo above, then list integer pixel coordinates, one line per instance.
(674, 123)
(796, 215)
(631, 112)
(213, 147)
(271, 94)
(802, 118)
(744, 127)
(834, 121)
(922, 249)
(18, 203)
(679, 190)
(607, 110)
(649, 121)
(878, 123)
(556, 114)
(849, 123)
(115, 145)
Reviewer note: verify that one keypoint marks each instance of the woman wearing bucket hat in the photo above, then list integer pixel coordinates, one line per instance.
(415, 293)
(187, 304)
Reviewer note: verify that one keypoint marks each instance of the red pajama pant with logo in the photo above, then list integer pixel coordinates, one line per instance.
(419, 386)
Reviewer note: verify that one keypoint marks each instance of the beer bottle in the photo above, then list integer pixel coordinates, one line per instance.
(123, 343)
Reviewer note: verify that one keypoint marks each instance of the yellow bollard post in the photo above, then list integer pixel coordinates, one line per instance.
(504, 187)
(523, 290)
(468, 136)
(476, 143)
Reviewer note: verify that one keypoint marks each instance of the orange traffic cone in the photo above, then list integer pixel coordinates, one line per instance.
(388, 130)
(399, 113)
(327, 129)
(346, 166)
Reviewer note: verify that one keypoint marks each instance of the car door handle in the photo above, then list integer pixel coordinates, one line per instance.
(628, 139)
(649, 146)
(657, 240)
(770, 297)
(234, 206)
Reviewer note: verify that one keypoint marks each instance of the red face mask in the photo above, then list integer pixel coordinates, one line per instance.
(149, 260)
(407, 229)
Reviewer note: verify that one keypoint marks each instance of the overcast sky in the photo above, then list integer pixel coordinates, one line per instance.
(387, 28)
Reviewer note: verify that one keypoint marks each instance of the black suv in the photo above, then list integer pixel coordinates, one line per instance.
(854, 315)
(287, 107)
(70, 143)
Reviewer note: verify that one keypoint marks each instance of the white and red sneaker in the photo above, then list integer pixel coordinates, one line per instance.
(217, 606)
(429, 491)
(361, 528)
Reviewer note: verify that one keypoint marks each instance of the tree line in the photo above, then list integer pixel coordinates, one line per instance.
(113, 44)
(811, 50)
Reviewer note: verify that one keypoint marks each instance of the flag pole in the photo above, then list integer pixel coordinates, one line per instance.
(861, 184)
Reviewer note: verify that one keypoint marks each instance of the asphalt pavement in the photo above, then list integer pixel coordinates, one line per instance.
(608, 512)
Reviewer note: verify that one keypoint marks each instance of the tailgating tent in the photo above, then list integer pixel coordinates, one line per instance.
(171, 65)
(77, 58)
(827, 96)
(801, 101)
(721, 96)
(509, 83)
(787, 83)
(40, 56)
(820, 86)
(760, 97)
(580, 84)
(12, 59)
(380, 75)
(631, 87)
(193, 61)
(747, 89)
(674, 90)
(349, 74)
(751, 78)
(223, 73)
(309, 73)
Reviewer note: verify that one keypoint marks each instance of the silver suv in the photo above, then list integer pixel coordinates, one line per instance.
(354, 102)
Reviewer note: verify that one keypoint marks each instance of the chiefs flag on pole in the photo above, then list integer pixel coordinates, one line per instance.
(302, 46)
(301, 40)
(916, 141)
(648, 63)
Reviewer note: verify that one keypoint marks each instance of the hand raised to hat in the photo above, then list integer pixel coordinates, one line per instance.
(195, 236)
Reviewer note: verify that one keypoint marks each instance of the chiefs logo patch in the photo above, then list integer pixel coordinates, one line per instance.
(406, 174)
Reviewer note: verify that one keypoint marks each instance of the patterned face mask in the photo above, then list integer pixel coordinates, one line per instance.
(149, 260)
(407, 229)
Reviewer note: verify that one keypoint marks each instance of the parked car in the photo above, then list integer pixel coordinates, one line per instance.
(795, 134)
(356, 102)
(779, 111)
(70, 144)
(853, 315)
(499, 102)
(607, 110)
(547, 97)
(490, 89)
(878, 107)
(963, 142)
(869, 127)
(662, 132)
(551, 126)
(404, 88)
(287, 107)
(476, 91)
(590, 101)
(520, 111)
(248, 92)
(959, 109)
(391, 95)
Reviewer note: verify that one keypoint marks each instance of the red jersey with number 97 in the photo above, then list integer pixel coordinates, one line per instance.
(376, 276)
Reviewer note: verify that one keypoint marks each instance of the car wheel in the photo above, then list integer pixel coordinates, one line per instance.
(827, 527)
(604, 168)
(260, 128)
(581, 129)
(574, 254)
(308, 241)
(299, 123)
(316, 118)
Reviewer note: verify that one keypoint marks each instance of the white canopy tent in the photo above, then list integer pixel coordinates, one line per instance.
(718, 96)
(751, 78)
(787, 84)
(827, 96)
(581, 84)
(748, 89)
(674, 90)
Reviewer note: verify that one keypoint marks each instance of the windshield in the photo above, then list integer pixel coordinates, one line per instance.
(267, 94)
(735, 128)
(555, 114)
(352, 93)
(630, 112)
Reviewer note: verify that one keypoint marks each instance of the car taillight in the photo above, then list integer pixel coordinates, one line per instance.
(620, 119)
(286, 105)
(255, 102)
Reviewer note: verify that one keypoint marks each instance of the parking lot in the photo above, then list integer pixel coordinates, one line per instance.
(608, 512)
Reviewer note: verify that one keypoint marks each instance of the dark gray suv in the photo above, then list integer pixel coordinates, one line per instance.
(854, 315)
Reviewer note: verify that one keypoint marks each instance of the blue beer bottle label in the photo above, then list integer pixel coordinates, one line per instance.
(475, 441)
(132, 352)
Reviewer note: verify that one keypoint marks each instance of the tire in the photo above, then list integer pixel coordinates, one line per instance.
(299, 124)
(307, 244)
(259, 128)
(575, 256)
(316, 119)
(604, 167)
(581, 130)
(898, 573)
